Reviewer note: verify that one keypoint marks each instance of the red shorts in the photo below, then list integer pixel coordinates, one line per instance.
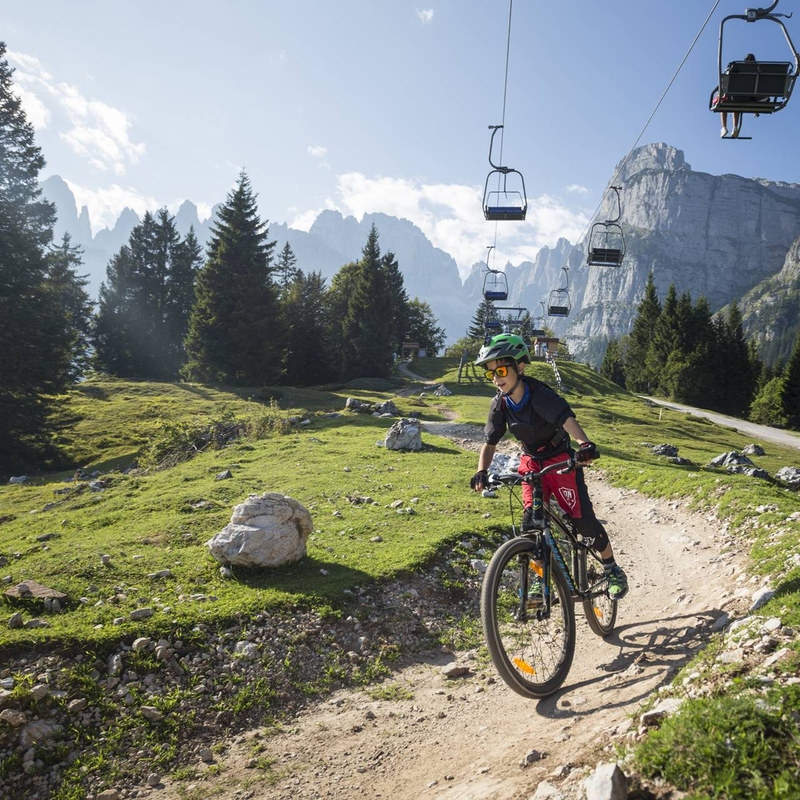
(564, 487)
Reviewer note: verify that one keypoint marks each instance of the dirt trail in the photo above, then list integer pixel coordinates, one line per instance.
(464, 738)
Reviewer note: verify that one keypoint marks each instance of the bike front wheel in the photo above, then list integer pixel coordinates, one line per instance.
(532, 655)
(600, 609)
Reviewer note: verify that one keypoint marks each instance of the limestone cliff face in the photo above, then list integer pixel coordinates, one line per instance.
(714, 235)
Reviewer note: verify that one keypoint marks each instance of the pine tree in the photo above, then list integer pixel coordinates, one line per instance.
(36, 341)
(398, 301)
(637, 376)
(337, 299)
(423, 328)
(74, 300)
(665, 342)
(234, 330)
(367, 323)
(477, 329)
(790, 390)
(612, 367)
(285, 269)
(736, 380)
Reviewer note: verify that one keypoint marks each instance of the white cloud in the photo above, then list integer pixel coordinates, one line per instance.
(106, 204)
(35, 110)
(577, 188)
(317, 151)
(203, 211)
(451, 216)
(95, 130)
(425, 15)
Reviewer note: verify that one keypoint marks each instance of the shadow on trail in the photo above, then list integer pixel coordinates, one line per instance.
(661, 652)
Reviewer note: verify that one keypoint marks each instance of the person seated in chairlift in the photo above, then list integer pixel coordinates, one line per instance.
(543, 422)
(737, 115)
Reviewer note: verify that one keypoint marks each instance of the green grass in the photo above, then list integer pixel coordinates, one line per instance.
(390, 691)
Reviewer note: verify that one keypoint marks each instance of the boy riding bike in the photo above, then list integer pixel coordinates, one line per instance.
(543, 422)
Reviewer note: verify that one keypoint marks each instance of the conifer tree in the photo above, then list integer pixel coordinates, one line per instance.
(74, 300)
(234, 329)
(285, 269)
(306, 325)
(186, 260)
(665, 341)
(36, 342)
(367, 324)
(398, 301)
(637, 376)
(790, 390)
(477, 329)
(736, 379)
(612, 366)
(337, 299)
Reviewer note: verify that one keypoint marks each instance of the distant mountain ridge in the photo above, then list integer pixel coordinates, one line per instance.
(722, 236)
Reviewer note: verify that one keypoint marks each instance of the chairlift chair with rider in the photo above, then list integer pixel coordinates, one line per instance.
(606, 240)
(755, 87)
(508, 201)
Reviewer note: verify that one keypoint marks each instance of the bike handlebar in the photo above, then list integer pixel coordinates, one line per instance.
(515, 479)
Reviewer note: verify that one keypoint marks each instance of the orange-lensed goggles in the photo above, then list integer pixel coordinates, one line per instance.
(501, 372)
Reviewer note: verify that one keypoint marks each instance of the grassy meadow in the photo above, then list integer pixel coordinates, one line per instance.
(149, 520)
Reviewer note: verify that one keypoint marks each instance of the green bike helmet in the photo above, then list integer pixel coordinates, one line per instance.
(504, 345)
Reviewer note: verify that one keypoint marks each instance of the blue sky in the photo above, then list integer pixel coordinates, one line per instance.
(380, 106)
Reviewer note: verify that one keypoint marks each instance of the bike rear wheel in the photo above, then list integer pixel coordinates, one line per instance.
(600, 610)
(533, 656)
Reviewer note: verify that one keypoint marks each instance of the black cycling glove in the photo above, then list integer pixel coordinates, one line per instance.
(479, 480)
(587, 452)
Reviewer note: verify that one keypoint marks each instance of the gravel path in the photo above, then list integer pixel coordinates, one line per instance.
(464, 738)
(760, 432)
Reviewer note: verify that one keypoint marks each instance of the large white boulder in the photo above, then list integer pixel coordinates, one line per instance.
(405, 434)
(267, 530)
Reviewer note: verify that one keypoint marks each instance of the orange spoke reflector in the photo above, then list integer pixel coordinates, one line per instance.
(597, 612)
(537, 568)
(522, 666)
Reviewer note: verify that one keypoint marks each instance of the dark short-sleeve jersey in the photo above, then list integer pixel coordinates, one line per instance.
(539, 425)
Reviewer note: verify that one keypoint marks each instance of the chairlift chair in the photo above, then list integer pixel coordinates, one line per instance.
(495, 285)
(755, 87)
(559, 304)
(606, 240)
(510, 315)
(509, 200)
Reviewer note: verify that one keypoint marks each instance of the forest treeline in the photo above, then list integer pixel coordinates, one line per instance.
(239, 313)
(680, 350)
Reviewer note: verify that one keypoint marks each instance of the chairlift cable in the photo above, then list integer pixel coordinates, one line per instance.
(642, 132)
(505, 97)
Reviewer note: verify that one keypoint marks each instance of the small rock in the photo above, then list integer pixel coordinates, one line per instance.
(114, 665)
(13, 717)
(761, 597)
(18, 479)
(142, 643)
(753, 450)
(105, 560)
(376, 539)
(546, 791)
(16, 621)
(455, 670)
(246, 649)
(108, 794)
(151, 713)
(141, 613)
(223, 475)
(153, 779)
(775, 657)
(720, 623)
(607, 782)
(206, 755)
(77, 705)
(39, 692)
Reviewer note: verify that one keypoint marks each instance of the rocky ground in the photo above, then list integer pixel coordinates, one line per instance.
(428, 729)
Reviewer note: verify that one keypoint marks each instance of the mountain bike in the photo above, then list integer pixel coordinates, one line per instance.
(529, 591)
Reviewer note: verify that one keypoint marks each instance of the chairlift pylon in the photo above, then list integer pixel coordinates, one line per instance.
(606, 240)
(755, 87)
(504, 203)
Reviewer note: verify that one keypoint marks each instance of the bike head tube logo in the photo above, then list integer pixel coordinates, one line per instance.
(569, 496)
(537, 502)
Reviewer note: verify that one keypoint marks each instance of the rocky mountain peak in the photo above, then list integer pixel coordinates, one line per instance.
(655, 156)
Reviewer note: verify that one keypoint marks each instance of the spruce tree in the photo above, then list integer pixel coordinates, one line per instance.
(337, 300)
(737, 378)
(234, 330)
(367, 323)
(285, 269)
(477, 329)
(612, 367)
(36, 341)
(790, 391)
(74, 300)
(398, 301)
(637, 376)
(665, 342)
(306, 325)
(186, 260)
